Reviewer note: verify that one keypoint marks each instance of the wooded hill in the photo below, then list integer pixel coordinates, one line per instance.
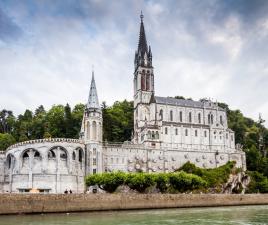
(62, 121)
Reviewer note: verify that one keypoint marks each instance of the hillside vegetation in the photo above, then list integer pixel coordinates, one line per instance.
(62, 121)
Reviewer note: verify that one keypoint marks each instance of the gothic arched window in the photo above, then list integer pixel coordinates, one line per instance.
(143, 81)
(148, 82)
(94, 130)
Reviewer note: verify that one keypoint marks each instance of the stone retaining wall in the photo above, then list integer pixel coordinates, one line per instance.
(40, 203)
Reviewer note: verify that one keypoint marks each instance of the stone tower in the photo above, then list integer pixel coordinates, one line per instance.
(143, 83)
(91, 131)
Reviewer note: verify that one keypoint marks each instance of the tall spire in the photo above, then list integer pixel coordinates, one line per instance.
(93, 101)
(142, 46)
(143, 55)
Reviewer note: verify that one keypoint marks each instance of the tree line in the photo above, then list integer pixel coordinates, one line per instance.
(64, 121)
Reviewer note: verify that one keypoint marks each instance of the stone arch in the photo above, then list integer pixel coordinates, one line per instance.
(51, 154)
(63, 153)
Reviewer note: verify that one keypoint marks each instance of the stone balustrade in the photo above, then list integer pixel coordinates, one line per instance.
(52, 140)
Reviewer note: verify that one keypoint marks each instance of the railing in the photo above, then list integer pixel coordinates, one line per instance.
(69, 140)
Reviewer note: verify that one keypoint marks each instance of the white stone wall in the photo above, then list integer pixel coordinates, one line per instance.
(52, 164)
(132, 158)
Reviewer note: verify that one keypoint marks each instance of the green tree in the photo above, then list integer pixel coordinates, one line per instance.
(6, 140)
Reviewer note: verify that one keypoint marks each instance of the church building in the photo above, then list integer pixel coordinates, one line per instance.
(168, 132)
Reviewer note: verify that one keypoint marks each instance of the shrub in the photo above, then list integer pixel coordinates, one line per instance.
(140, 181)
(162, 181)
(107, 181)
(182, 181)
(214, 177)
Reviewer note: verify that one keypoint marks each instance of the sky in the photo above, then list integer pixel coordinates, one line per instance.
(201, 49)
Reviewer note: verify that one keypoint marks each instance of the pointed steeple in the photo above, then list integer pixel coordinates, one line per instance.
(142, 46)
(93, 101)
(143, 55)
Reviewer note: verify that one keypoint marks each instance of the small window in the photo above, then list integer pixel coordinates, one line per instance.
(153, 135)
(186, 132)
(199, 117)
(94, 171)
(176, 131)
(221, 121)
(180, 116)
(161, 114)
(195, 133)
(156, 135)
(171, 115)
(205, 133)
(94, 151)
(232, 138)
(166, 130)
(208, 118)
(149, 134)
(226, 136)
(94, 161)
(211, 119)
(190, 117)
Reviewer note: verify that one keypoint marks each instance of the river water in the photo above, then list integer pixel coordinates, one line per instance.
(242, 215)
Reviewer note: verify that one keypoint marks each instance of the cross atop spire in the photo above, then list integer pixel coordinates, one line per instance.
(93, 101)
(141, 16)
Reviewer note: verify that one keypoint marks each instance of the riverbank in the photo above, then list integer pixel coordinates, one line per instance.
(41, 203)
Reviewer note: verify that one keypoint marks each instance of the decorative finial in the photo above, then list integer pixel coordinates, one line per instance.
(141, 16)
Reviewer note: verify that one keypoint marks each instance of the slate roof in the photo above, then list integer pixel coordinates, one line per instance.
(181, 102)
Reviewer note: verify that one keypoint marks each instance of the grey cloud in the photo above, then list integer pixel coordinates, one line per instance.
(9, 30)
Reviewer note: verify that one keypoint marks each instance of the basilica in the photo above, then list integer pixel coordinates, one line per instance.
(168, 132)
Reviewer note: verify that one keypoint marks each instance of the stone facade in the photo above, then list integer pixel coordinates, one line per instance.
(168, 132)
(47, 165)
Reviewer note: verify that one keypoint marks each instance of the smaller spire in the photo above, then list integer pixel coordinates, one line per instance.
(93, 101)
